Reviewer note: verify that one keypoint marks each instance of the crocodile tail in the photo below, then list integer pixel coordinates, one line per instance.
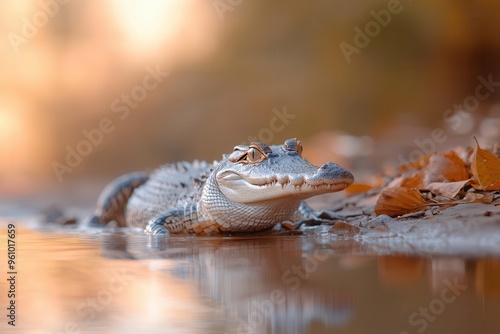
(113, 199)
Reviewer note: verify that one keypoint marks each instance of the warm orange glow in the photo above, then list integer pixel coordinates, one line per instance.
(10, 129)
(149, 25)
(23, 146)
(10, 124)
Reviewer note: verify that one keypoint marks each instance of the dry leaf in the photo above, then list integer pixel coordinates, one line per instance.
(485, 198)
(414, 181)
(486, 168)
(357, 188)
(445, 167)
(415, 165)
(434, 167)
(447, 189)
(399, 201)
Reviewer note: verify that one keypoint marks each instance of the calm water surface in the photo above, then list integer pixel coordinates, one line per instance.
(125, 282)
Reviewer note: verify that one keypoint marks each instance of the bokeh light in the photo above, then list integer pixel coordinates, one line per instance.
(63, 65)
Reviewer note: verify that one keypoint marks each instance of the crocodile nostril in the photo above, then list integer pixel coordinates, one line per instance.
(328, 165)
(331, 170)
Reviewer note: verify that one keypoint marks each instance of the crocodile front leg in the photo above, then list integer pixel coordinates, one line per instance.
(179, 221)
(172, 221)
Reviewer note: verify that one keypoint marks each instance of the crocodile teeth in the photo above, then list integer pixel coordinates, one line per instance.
(297, 182)
(283, 179)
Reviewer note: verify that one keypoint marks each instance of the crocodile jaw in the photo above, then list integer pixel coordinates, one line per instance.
(239, 188)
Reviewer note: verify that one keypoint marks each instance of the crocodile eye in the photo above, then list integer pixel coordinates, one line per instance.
(254, 155)
(244, 154)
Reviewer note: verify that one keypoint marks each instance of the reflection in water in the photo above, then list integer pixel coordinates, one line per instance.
(265, 284)
(488, 278)
(127, 283)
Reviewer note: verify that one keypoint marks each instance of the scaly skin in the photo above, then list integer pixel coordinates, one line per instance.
(252, 189)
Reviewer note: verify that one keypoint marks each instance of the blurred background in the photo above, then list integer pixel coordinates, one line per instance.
(93, 89)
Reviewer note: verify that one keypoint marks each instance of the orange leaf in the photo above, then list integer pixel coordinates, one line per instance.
(486, 168)
(447, 189)
(415, 165)
(357, 188)
(414, 181)
(445, 167)
(399, 201)
(434, 167)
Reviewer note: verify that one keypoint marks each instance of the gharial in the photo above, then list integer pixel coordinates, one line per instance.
(254, 188)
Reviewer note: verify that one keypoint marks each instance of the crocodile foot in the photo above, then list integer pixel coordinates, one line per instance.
(156, 226)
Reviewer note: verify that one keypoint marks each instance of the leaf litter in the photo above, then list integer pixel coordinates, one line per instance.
(459, 176)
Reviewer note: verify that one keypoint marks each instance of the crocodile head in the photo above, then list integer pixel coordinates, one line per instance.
(259, 173)
(258, 186)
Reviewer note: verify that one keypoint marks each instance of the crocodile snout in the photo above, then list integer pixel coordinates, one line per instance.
(331, 173)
